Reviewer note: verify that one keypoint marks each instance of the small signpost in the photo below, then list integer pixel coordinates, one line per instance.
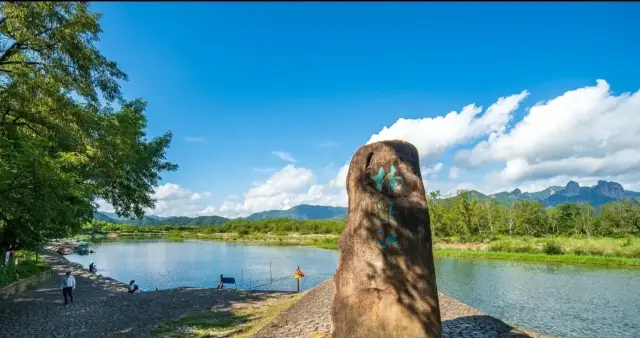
(297, 275)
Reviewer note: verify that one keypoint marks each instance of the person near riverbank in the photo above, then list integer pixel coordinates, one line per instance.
(67, 286)
(133, 287)
(92, 268)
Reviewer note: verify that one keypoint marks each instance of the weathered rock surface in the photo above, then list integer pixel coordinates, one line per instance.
(385, 281)
(609, 189)
(310, 316)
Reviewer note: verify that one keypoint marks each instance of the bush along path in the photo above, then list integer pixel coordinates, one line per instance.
(103, 308)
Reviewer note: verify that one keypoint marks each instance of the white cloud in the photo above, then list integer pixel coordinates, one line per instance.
(582, 133)
(195, 139)
(284, 156)
(285, 189)
(171, 200)
(585, 135)
(432, 170)
(340, 181)
(435, 135)
(454, 172)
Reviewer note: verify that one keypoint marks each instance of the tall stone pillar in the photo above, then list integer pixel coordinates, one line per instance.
(385, 284)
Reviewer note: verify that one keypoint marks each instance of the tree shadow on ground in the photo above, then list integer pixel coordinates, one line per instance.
(102, 307)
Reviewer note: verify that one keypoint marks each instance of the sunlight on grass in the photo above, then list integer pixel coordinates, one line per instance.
(241, 322)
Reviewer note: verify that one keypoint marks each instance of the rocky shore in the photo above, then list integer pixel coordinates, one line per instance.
(312, 314)
(103, 308)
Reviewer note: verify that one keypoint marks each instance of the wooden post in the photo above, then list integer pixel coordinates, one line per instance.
(242, 276)
(298, 282)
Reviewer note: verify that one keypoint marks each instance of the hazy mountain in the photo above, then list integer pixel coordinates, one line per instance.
(596, 195)
(158, 220)
(303, 211)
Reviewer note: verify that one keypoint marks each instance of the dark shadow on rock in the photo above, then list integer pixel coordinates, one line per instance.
(406, 267)
(479, 326)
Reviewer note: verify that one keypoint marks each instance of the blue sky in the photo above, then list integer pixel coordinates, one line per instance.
(236, 82)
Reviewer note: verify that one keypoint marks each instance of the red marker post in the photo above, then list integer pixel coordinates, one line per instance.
(297, 275)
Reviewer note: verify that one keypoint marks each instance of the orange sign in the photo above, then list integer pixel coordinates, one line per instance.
(298, 274)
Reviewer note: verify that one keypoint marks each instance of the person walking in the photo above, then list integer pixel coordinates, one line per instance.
(133, 287)
(68, 285)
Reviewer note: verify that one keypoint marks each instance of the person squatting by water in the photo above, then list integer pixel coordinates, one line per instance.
(133, 287)
(67, 286)
(92, 268)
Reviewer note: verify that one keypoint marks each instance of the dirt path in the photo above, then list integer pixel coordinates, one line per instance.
(312, 314)
(103, 308)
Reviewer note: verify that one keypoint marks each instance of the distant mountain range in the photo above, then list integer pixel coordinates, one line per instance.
(597, 195)
(603, 192)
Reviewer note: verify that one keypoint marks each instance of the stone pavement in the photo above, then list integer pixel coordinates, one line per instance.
(103, 308)
(312, 314)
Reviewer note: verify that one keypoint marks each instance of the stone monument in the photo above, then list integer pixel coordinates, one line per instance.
(385, 283)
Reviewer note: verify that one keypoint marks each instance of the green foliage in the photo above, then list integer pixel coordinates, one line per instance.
(474, 219)
(27, 266)
(461, 218)
(552, 248)
(60, 146)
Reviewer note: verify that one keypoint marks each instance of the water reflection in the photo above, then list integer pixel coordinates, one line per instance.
(566, 301)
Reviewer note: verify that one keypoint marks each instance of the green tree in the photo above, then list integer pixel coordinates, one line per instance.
(62, 144)
(529, 218)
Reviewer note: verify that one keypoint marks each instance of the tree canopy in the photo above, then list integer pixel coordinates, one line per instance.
(67, 135)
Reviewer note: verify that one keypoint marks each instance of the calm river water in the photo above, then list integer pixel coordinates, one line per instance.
(566, 301)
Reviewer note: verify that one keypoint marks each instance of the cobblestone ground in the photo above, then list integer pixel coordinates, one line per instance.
(103, 308)
(312, 314)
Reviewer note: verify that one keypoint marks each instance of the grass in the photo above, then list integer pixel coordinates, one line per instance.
(542, 258)
(239, 322)
(26, 267)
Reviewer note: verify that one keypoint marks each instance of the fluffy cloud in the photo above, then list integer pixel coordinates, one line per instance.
(582, 133)
(285, 189)
(432, 136)
(454, 172)
(284, 156)
(171, 200)
(435, 135)
(431, 171)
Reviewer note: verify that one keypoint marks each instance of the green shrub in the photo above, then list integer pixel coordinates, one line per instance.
(552, 248)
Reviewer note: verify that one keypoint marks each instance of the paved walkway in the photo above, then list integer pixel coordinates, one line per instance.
(103, 308)
(312, 314)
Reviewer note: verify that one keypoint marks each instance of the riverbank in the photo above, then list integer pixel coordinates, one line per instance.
(102, 307)
(623, 252)
(312, 314)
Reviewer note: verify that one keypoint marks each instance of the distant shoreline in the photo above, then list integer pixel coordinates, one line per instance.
(441, 248)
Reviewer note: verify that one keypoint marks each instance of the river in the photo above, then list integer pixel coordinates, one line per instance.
(562, 300)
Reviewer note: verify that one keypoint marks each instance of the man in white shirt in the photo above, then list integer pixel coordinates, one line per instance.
(68, 285)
